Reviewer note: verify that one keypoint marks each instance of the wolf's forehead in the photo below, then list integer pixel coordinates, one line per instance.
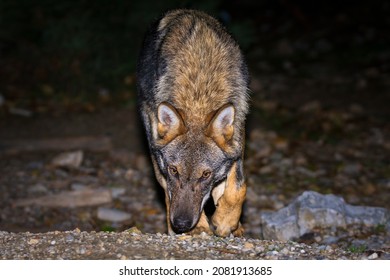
(194, 151)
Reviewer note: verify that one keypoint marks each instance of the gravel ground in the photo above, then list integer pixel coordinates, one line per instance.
(132, 244)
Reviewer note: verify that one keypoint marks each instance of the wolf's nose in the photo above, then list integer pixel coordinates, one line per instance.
(181, 225)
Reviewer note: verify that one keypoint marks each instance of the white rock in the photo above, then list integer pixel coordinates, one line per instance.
(68, 159)
(118, 192)
(112, 215)
(20, 112)
(373, 256)
(313, 210)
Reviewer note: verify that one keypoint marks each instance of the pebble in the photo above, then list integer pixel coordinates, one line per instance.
(37, 188)
(112, 215)
(285, 251)
(69, 238)
(20, 112)
(117, 192)
(33, 241)
(81, 250)
(78, 186)
(68, 159)
(373, 256)
(248, 245)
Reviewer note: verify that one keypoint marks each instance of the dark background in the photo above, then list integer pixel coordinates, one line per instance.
(78, 55)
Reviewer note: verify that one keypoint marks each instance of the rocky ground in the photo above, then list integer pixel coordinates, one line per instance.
(132, 244)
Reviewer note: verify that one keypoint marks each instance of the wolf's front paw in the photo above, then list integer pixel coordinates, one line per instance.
(225, 229)
(239, 231)
(199, 230)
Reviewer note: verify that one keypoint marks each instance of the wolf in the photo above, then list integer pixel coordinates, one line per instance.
(193, 98)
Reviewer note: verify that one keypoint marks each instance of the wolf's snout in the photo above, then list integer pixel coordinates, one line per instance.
(181, 224)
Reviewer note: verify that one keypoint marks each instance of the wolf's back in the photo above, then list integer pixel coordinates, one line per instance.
(191, 62)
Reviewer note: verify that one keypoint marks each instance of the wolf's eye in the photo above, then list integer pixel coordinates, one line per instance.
(172, 170)
(206, 174)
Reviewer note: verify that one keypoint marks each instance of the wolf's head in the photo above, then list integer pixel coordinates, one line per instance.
(192, 160)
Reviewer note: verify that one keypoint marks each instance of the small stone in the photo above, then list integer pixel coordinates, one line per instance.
(82, 250)
(281, 144)
(266, 169)
(352, 169)
(284, 251)
(68, 159)
(69, 238)
(310, 107)
(134, 231)
(248, 245)
(184, 237)
(300, 160)
(130, 174)
(78, 186)
(318, 239)
(117, 192)
(32, 241)
(37, 188)
(329, 248)
(356, 109)
(204, 235)
(373, 256)
(20, 112)
(112, 215)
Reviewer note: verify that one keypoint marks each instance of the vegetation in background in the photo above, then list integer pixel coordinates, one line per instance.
(66, 50)
(80, 52)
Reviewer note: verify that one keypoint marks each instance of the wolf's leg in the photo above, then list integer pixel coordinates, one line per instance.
(202, 226)
(229, 206)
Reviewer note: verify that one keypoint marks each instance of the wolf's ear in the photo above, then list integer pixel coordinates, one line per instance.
(221, 126)
(170, 123)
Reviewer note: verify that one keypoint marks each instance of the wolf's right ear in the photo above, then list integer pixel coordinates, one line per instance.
(221, 127)
(170, 124)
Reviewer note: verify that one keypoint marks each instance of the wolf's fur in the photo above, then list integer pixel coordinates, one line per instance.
(192, 84)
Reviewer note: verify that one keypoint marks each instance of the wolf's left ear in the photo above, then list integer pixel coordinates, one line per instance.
(221, 126)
